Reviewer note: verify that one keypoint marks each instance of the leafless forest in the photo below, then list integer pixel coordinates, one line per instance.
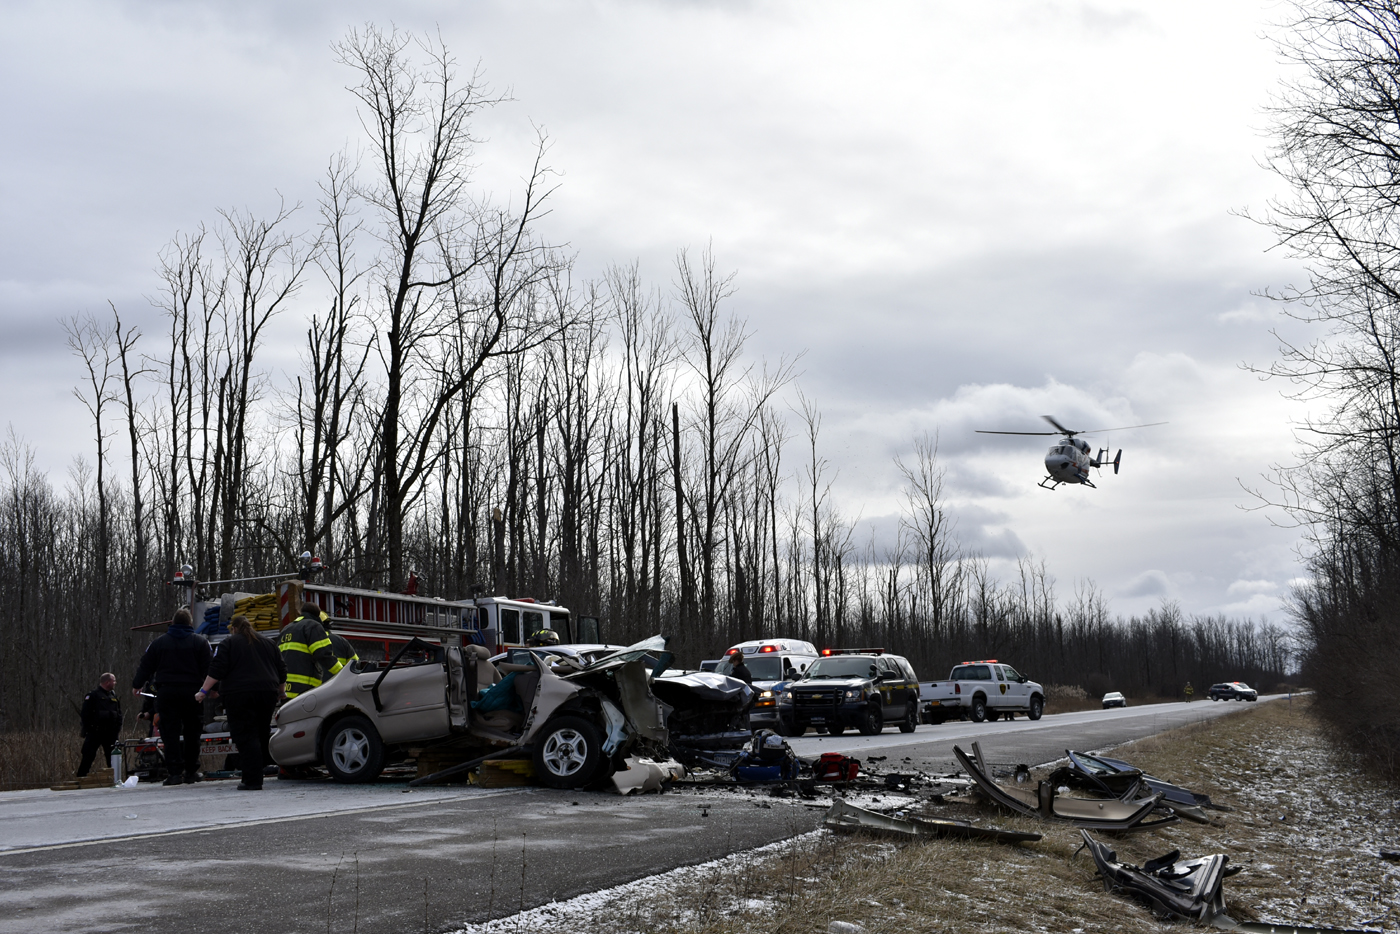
(461, 410)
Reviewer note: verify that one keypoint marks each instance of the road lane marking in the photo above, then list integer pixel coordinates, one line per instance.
(207, 828)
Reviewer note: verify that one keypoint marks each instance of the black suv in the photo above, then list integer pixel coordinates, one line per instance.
(864, 689)
(1233, 690)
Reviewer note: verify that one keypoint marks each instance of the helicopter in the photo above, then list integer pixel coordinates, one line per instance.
(1068, 461)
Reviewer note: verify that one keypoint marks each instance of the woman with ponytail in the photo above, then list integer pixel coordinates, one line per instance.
(251, 677)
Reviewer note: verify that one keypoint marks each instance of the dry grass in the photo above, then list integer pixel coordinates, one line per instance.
(39, 759)
(1305, 828)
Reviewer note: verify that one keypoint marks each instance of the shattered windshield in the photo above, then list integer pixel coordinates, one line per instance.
(761, 667)
(851, 666)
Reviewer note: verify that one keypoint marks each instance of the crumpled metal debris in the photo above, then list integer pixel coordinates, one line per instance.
(1190, 890)
(1171, 887)
(847, 818)
(1045, 802)
(643, 775)
(1118, 779)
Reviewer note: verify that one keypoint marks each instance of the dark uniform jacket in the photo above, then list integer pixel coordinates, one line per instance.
(241, 666)
(306, 650)
(344, 653)
(101, 714)
(181, 656)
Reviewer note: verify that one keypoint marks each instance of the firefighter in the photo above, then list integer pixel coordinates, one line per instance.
(101, 720)
(344, 652)
(542, 637)
(177, 663)
(1189, 691)
(307, 651)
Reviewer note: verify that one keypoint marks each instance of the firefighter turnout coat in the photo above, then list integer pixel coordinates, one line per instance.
(306, 650)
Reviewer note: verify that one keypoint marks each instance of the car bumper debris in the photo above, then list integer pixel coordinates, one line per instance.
(1046, 803)
(1186, 890)
(847, 818)
(1115, 778)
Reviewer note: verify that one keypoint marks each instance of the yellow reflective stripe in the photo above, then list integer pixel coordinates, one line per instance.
(303, 679)
(295, 647)
(323, 644)
(339, 664)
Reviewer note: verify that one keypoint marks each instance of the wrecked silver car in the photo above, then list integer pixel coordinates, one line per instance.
(576, 721)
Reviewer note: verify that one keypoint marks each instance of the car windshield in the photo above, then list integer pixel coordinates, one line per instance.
(850, 666)
(1242, 686)
(761, 667)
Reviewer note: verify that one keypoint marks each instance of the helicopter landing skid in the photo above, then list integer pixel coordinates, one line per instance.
(1055, 483)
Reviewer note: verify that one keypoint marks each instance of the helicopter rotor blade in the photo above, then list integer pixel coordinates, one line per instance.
(1096, 431)
(1036, 433)
(1062, 429)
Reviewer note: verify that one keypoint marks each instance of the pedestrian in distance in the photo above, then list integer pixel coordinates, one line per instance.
(251, 676)
(176, 664)
(101, 721)
(1189, 691)
(306, 651)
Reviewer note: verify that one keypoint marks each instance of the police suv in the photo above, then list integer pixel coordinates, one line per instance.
(861, 688)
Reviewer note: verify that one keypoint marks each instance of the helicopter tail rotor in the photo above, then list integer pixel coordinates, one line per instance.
(1117, 460)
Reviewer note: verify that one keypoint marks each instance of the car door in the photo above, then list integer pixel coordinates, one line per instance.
(412, 701)
(891, 688)
(1017, 694)
(999, 696)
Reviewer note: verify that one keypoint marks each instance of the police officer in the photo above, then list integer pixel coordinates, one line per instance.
(101, 719)
(306, 650)
(176, 664)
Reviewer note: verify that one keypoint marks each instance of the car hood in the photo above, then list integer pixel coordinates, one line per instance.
(701, 687)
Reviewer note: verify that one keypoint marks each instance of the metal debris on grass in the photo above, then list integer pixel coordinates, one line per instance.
(843, 817)
(1187, 890)
(1046, 802)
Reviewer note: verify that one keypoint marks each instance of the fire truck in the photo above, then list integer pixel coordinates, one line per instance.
(497, 622)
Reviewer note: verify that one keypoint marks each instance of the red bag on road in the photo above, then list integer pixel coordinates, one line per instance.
(834, 767)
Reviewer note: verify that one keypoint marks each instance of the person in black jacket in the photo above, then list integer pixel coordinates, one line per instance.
(176, 664)
(251, 677)
(102, 721)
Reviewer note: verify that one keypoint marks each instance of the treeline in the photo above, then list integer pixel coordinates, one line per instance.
(1337, 146)
(466, 413)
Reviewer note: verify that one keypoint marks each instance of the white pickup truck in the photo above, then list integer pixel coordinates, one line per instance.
(982, 690)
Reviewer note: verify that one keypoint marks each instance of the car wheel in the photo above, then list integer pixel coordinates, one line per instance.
(872, 721)
(835, 729)
(567, 752)
(978, 711)
(352, 751)
(1037, 707)
(911, 720)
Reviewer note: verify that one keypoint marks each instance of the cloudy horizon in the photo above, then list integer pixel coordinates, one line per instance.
(957, 218)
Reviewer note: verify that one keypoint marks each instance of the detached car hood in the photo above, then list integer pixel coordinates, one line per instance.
(702, 686)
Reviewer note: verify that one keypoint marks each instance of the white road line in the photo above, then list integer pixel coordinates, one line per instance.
(206, 828)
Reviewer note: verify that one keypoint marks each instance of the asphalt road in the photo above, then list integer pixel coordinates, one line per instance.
(303, 857)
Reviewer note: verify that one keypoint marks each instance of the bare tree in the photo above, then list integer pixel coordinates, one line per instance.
(449, 263)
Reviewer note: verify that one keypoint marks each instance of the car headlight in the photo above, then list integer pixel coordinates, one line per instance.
(851, 695)
(765, 694)
(785, 697)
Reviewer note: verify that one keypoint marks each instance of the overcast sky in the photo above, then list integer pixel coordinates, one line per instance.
(966, 216)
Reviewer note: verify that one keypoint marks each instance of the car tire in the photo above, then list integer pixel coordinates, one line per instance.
(1037, 707)
(977, 711)
(911, 720)
(834, 729)
(352, 751)
(567, 752)
(872, 721)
